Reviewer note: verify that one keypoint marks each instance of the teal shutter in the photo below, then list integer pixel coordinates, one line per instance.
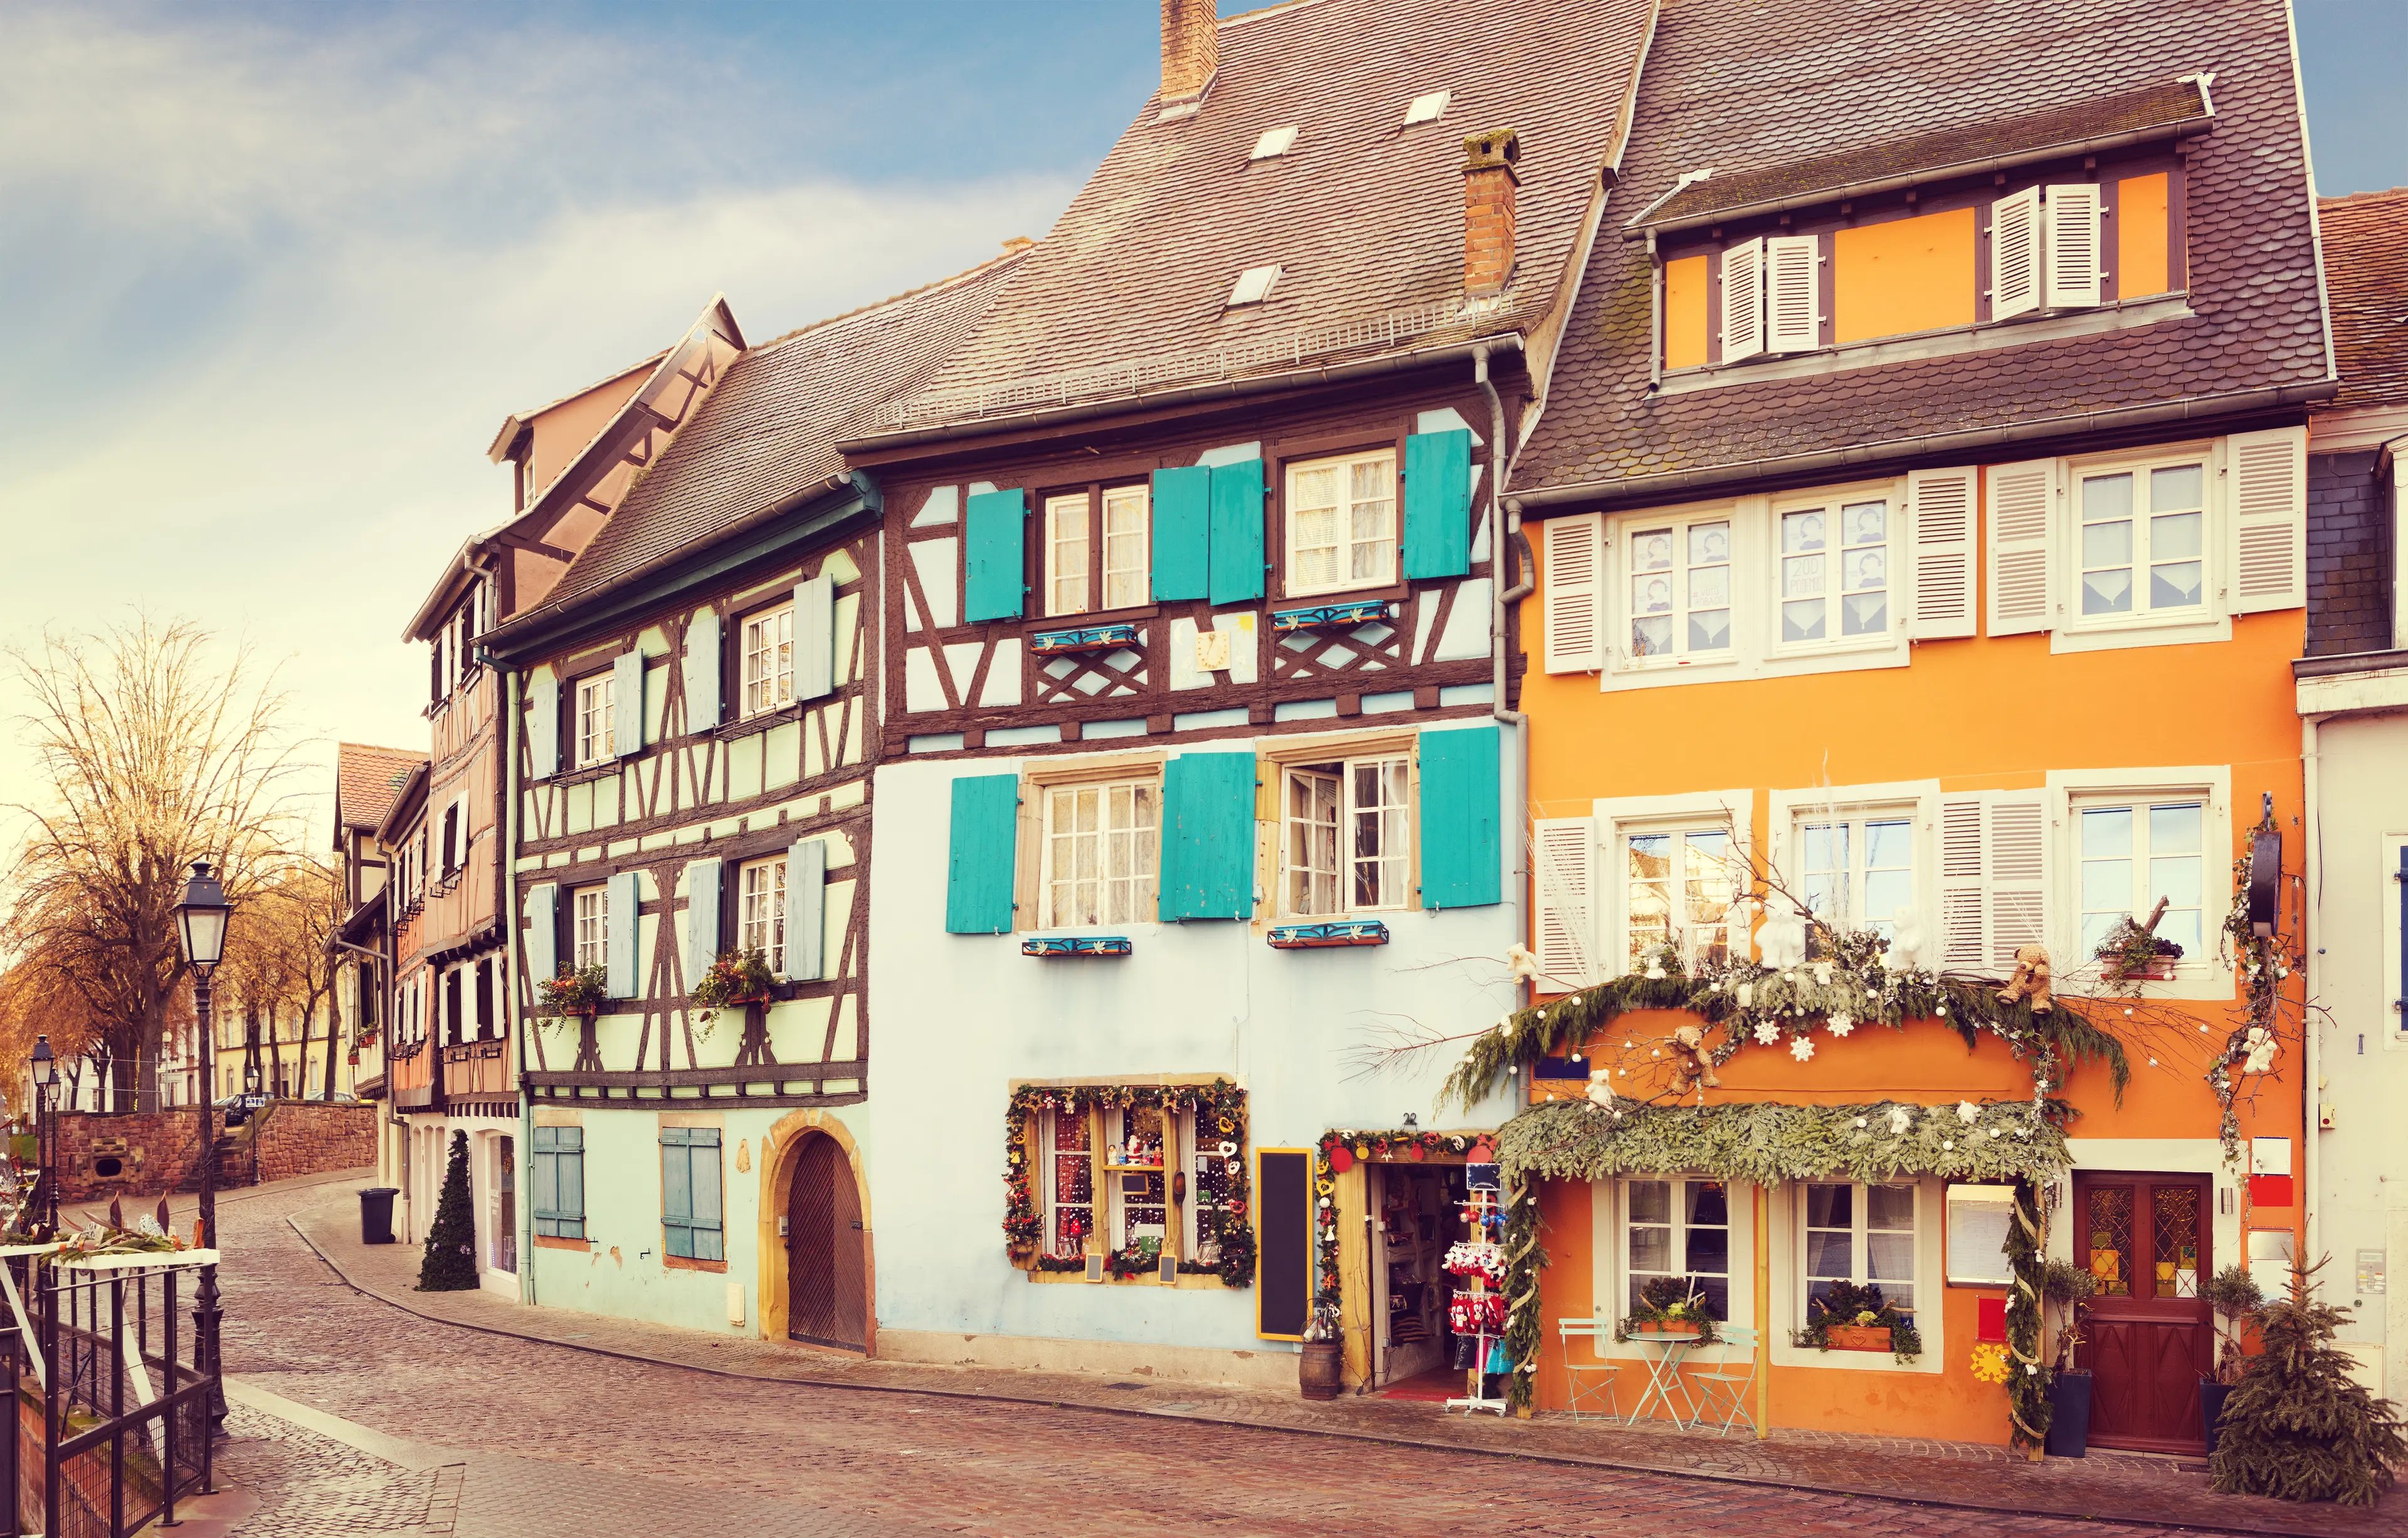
(1182, 527)
(560, 1182)
(1208, 836)
(627, 704)
(543, 932)
(815, 639)
(806, 910)
(1236, 557)
(1461, 857)
(995, 581)
(978, 872)
(621, 924)
(702, 883)
(702, 671)
(1438, 504)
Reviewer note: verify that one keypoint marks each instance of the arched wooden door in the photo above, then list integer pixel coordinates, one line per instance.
(827, 1302)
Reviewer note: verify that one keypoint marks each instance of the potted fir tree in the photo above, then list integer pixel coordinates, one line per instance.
(2298, 1426)
(2067, 1289)
(2236, 1296)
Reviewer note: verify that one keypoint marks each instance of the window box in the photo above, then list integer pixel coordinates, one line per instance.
(1667, 1327)
(1333, 615)
(1060, 945)
(1857, 1337)
(1094, 638)
(1314, 937)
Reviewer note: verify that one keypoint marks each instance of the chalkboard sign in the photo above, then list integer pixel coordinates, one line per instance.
(1284, 1289)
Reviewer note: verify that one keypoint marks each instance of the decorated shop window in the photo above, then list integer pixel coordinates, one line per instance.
(1138, 1175)
(1857, 873)
(1101, 851)
(768, 656)
(1347, 836)
(1678, 1230)
(1069, 1177)
(1678, 890)
(1680, 588)
(1858, 1236)
(1835, 579)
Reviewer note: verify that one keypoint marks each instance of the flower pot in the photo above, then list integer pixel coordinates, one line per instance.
(1657, 1326)
(1857, 1337)
(2211, 1395)
(2069, 1420)
(1318, 1370)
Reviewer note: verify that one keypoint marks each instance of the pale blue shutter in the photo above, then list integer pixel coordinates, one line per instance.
(807, 909)
(1182, 528)
(620, 926)
(1438, 504)
(542, 932)
(543, 727)
(702, 1153)
(1461, 854)
(702, 883)
(979, 874)
(1208, 837)
(1236, 554)
(994, 578)
(676, 1192)
(702, 652)
(627, 704)
(815, 639)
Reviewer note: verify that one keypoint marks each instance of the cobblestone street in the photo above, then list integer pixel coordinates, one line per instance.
(444, 1429)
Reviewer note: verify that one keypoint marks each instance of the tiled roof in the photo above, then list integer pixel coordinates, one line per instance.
(1741, 86)
(1363, 216)
(2366, 275)
(2027, 134)
(366, 780)
(769, 431)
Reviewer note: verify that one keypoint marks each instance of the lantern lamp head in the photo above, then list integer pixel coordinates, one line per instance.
(250, 1078)
(45, 1063)
(201, 918)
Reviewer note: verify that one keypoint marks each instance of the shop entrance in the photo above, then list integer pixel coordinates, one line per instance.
(827, 1302)
(2152, 1336)
(1419, 1210)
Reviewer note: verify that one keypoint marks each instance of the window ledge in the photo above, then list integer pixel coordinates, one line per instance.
(679, 1262)
(1200, 1281)
(1926, 1362)
(553, 1241)
(752, 724)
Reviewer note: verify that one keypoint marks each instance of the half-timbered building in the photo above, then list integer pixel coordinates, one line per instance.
(1201, 774)
(695, 709)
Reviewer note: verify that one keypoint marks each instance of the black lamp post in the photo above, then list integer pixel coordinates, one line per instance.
(202, 917)
(46, 1073)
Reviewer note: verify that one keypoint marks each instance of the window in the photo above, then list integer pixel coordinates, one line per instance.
(761, 911)
(2136, 853)
(1066, 555)
(1100, 851)
(1348, 839)
(1835, 573)
(595, 739)
(1341, 523)
(1679, 892)
(1862, 1234)
(2144, 540)
(1136, 1151)
(1076, 526)
(485, 999)
(768, 656)
(1680, 588)
(1141, 1150)
(690, 1206)
(1857, 873)
(1679, 1229)
(590, 919)
(560, 1182)
(1070, 1181)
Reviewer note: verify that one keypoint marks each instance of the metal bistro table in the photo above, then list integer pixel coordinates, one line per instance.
(1664, 1373)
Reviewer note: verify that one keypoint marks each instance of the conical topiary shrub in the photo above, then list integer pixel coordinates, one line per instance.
(2296, 1426)
(451, 1264)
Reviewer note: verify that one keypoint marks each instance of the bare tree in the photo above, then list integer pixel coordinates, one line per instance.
(156, 756)
(278, 958)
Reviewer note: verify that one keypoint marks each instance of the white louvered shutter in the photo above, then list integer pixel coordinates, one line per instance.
(2014, 254)
(2023, 573)
(2073, 253)
(1563, 851)
(627, 704)
(2016, 824)
(1743, 300)
(2268, 473)
(1939, 521)
(1572, 588)
(1963, 938)
(1792, 286)
(543, 728)
(701, 663)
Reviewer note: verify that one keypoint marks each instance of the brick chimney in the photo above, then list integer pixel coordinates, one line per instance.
(1488, 183)
(1191, 48)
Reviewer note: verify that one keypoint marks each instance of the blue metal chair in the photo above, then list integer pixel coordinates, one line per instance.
(1589, 1381)
(1727, 1388)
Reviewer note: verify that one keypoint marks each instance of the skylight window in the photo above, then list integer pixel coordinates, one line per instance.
(1253, 286)
(1274, 143)
(1427, 109)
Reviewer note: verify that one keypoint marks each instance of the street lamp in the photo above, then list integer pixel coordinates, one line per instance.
(201, 919)
(46, 1073)
(250, 1078)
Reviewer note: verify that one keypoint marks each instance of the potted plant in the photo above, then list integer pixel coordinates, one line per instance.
(1667, 1305)
(1848, 1317)
(734, 978)
(577, 993)
(2131, 953)
(1320, 1371)
(2066, 1291)
(2298, 1426)
(2236, 1296)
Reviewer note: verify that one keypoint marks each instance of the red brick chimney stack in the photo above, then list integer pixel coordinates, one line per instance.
(1488, 183)
(1191, 47)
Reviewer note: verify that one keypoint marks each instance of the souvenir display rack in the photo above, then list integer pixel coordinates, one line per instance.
(1478, 1309)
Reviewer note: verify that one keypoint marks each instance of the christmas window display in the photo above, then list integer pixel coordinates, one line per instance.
(1134, 1173)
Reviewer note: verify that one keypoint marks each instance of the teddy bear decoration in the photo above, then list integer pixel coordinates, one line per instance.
(1693, 1065)
(2029, 979)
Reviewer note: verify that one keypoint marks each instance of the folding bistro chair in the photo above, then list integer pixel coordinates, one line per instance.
(1727, 1389)
(1589, 1380)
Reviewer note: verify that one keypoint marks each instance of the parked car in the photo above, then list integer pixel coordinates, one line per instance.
(238, 1108)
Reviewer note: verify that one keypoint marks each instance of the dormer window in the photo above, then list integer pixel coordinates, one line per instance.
(1274, 143)
(1253, 286)
(1428, 107)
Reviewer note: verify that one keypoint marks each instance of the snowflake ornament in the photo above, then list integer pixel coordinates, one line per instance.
(1801, 1048)
(1841, 1025)
(1767, 1033)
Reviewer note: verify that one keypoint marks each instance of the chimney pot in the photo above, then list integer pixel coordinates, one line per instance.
(1488, 182)
(1191, 48)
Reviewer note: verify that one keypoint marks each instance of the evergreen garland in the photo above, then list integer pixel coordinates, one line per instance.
(1525, 1330)
(1757, 1143)
(2029, 1408)
(2298, 1426)
(451, 1263)
(1220, 1112)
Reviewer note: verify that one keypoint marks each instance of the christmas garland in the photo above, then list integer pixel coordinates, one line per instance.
(1335, 1153)
(1525, 1330)
(1761, 1143)
(2254, 1041)
(2028, 1402)
(1220, 1112)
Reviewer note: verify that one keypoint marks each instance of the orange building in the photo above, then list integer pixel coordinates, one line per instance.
(1920, 506)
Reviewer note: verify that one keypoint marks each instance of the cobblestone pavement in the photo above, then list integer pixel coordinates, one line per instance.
(541, 1439)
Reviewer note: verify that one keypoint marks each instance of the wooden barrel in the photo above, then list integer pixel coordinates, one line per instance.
(1320, 1370)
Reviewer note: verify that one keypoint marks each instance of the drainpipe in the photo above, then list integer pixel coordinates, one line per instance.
(1654, 317)
(1511, 813)
(506, 834)
(2312, 1047)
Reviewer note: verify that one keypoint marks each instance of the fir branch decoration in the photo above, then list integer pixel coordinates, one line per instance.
(2298, 1426)
(1525, 1330)
(1761, 1143)
(2028, 1410)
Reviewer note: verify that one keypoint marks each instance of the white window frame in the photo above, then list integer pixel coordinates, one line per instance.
(595, 951)
(1618, 817)
(1348, 809)
(1344, 465)
(1145, 885)
(1075, 511)
(2213, 523)
(1132, 568)
(1837, 504)
(1860, 1246)
(1051, 1206)
(2204, 974)
(1610, 1252)
(1735, 1214)
(595, 737)
(1786, 1214)
(2070, 630)
(1680, 579)
(765, 658)
(761, 910)
(1915, 800)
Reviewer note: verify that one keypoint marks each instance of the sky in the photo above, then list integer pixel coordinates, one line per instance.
(271, 274)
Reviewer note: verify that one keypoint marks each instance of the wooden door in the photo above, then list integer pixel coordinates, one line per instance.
(827, 1302)
(2151, 1336)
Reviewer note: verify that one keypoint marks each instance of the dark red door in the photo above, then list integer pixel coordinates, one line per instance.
(826, 1301)
(2145, 1239)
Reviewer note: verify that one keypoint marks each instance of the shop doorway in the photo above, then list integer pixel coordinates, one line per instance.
(827, 1300)
(1419, 1210)
(506, 1204)
(2152, 1336)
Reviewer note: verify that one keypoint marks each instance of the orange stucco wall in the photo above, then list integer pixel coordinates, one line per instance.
(2140, 236)
(1684, 313)
(1903, 275)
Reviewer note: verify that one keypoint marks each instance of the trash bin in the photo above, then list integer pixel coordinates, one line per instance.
(376, 1215)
